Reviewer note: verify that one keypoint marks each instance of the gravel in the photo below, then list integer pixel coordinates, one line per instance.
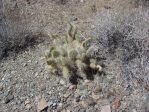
(25, 77)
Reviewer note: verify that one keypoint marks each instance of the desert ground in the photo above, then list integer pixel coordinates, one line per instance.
(121, 46)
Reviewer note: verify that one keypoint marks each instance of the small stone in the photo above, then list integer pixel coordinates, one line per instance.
(54, 104)
(67, 94)
(147, 104)
(97, 96)
(92, 26)
(97, 89)
(107, 7)
(9, 96)
(118, 89)
(81, 1)
(92, 109)
(134, 110)
(60, 105)
(116, 103)
(50, 103)
(90, 86)
(77, 99)
(43, 87)
(81, 87)
(25, 64)
(146, 87)
(42, 104)
(62, 82)
(1, 87)
(29, 61)
(110, 93)
(106, 108)
(28, 106)
(87, 81)
(27, 102)
(82, 110)
(59, 109)
(63, 110)
(75, 19)
(63, 99)
(36, 74)
(68, 110)
(72, 87)
(88, 102)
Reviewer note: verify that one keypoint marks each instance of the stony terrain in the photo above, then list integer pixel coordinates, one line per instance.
(121, 46)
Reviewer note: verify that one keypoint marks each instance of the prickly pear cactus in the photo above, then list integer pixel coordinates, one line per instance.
(70, 55)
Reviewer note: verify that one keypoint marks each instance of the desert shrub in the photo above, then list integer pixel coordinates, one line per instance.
(123, 38)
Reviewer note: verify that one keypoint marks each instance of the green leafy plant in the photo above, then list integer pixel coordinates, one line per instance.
(71, 55)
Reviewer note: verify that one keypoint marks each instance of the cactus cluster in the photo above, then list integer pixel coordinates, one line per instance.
(71, 55)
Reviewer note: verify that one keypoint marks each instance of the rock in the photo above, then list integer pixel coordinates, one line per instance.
(88, 102)
(81, 110)
(82, 89)
(42, 104)
(9, 96)
(134, 110)
(50, 103)
(25, 64)
(28, 106)
(90, 86)
(73, 87)
(1, 87)
(63, 110)
(67, 94)
(91, 109)
(56, 99)
(81, 1)
(54, 104)
(106, 108)
(118, 89)
(62, 82)
(77, 99)
(59, 108)
(84, 95)
(96, 96)
(60, 105)
(86, 81)
(92, 26)
(110, 93)
(146, 87)
(96, 92)
(43, 88)
(116, 103)
(75, 19)
(97, 89)
(27, 102)
(147, 104)
(68, 110)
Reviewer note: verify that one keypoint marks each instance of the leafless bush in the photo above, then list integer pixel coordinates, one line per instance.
(142, 2)
(124, 36)
(17, 27)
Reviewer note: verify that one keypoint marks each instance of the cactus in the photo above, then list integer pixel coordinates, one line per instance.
(69, 51)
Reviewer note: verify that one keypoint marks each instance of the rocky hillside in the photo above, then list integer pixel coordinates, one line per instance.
(121, 46)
